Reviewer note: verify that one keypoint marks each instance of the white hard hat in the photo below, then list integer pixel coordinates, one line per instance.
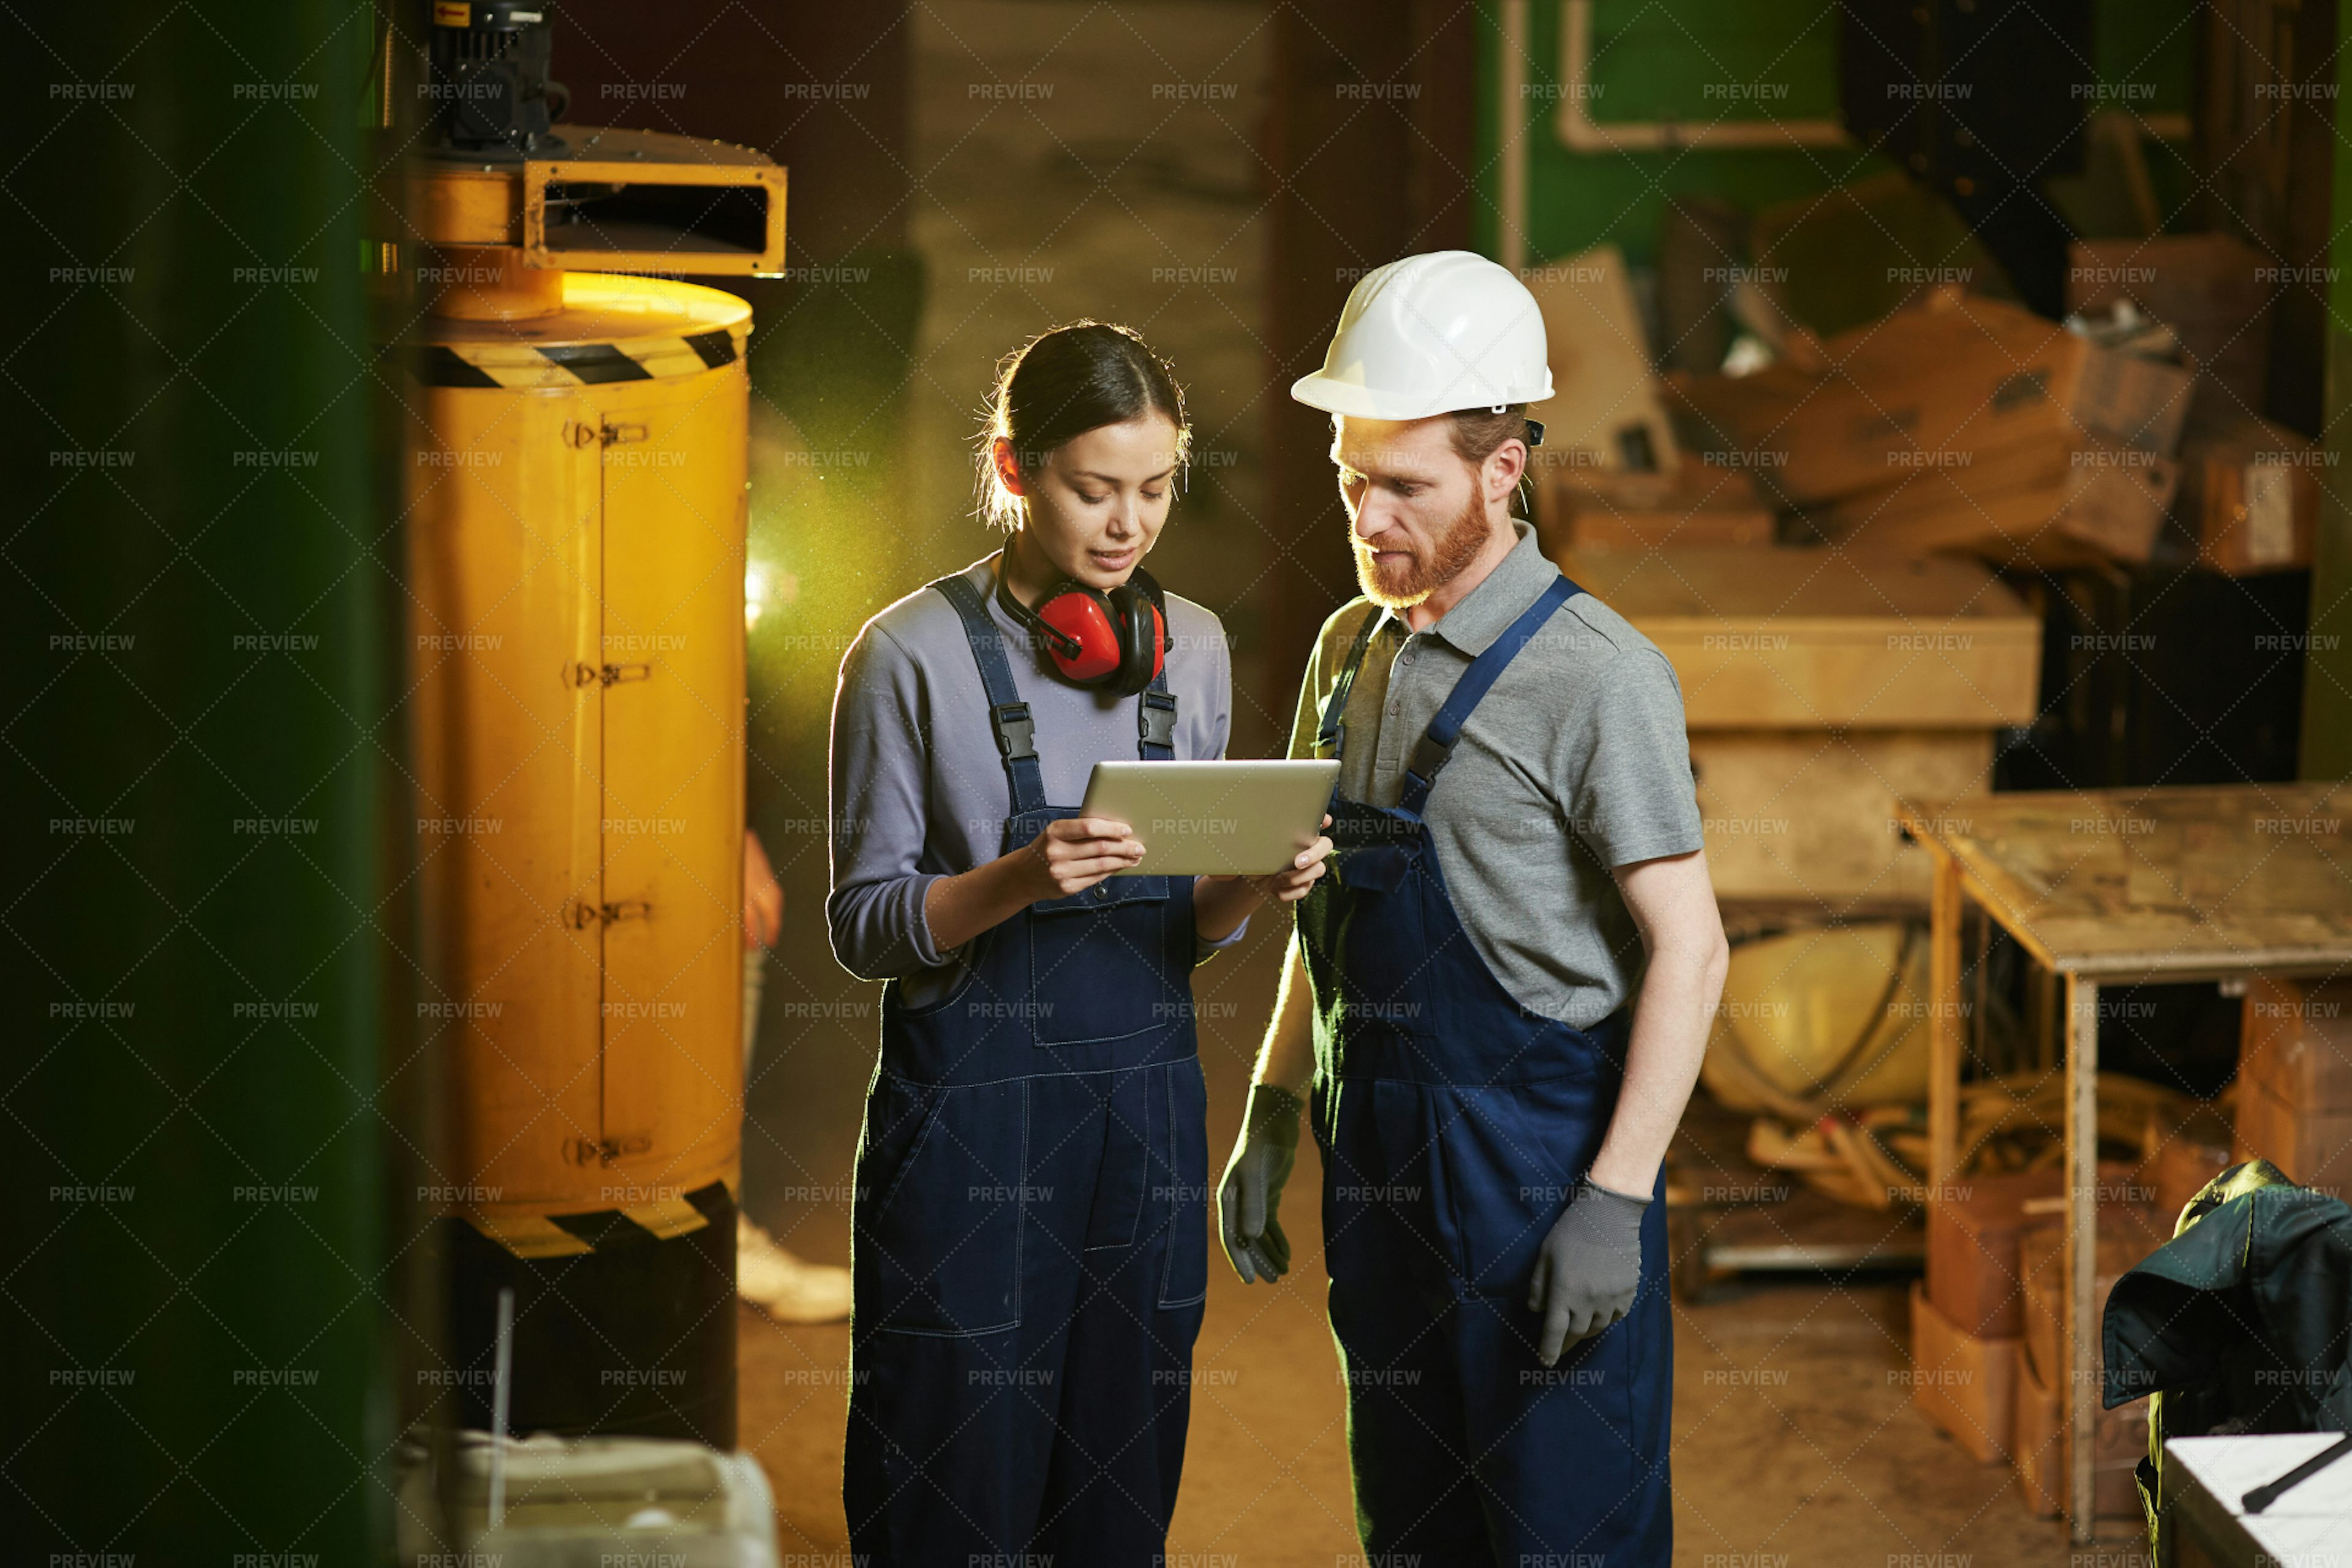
(1431, 335)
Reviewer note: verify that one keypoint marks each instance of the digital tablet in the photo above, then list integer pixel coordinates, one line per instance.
(1202, 819)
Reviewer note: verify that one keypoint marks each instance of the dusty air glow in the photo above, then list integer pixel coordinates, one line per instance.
(755, 593)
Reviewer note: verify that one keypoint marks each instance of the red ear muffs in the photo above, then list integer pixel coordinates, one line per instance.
(1120, 640)
(1117, 640)
(1085, 616)
(1145, 644)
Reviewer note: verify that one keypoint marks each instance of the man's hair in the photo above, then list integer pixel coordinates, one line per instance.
(1476, 432)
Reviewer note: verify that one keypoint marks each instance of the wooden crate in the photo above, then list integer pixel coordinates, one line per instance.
(1975, 1274)
(1804, 816)
(2209, 289)
(2041, 1441)
(1965, 1386)
(2248, 490)
(1580, 507)
(2296, 1041)
(2129, 1232)
(2050, 503)
(1959, 373)
(2312, 1145)
(1812, 638)
(1605, 406)
(2183, 1165)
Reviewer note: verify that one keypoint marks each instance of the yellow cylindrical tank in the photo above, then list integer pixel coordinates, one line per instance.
(575, 570)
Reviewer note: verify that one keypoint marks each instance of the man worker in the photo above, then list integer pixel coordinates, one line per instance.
(1495, 1005)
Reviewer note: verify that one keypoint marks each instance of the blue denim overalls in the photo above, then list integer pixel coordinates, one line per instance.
(1030, 1218)
(1454, 1124)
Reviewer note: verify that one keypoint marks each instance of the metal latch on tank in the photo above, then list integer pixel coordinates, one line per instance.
(585, 914)
(586, 674)
(605, 433)
(604, 1150)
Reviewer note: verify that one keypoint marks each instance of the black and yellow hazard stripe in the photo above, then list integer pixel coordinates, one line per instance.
(601, 1230)
(537, 366)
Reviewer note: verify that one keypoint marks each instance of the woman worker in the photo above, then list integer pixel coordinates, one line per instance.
(1030, 1220)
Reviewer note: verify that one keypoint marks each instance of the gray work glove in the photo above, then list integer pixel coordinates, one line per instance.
(1251, 1191)
(1589, 1267)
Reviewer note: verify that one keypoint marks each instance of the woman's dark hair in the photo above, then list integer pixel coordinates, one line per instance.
(1061, 384)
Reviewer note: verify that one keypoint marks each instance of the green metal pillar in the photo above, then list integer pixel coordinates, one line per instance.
(203, 794)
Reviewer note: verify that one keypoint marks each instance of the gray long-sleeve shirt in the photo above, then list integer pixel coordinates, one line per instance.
(917, 791)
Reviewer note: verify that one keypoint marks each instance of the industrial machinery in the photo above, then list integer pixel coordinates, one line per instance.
(575, 526)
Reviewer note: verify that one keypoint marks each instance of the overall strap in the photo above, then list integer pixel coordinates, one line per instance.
(1332, 735)
(1155, 709)
(1016, 733)
(1436, 746)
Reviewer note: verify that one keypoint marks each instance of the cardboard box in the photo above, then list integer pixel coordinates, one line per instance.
(1579, 507)
(2249, 490)
(2296, 1041)
(2209, 289)
(1799, 814)
(2041, 1442)
(1964, 1384)
(2127, 1233)
(1957, 375)
(2312, 1145)
(1804, 638)
(2044, 502)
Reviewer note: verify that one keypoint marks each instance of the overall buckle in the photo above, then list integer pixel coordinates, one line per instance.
(1156, 720)
(1429, 759)
(1016, 732)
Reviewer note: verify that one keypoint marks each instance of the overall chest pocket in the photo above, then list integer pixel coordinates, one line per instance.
(940, 1199)
(1371, 930)
(1097, 962)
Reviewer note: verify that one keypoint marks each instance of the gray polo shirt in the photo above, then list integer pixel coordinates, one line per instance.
(919, 791)
(1573, 763)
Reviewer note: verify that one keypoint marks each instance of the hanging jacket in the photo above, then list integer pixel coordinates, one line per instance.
(2241, 1322)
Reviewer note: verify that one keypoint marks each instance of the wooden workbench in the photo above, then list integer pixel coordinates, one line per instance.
(2124, 887)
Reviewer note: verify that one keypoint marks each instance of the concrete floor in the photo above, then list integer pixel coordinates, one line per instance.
(1095, 190)
(1795, 1442)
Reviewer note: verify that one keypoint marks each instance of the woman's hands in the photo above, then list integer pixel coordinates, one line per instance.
(1293, 882)
(1220, 903)
(1073, 854)
(1290, 886)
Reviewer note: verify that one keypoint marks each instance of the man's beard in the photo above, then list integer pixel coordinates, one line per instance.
(1401, 587)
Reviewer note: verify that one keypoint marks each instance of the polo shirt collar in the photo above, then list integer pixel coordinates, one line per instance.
(1487, 611)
